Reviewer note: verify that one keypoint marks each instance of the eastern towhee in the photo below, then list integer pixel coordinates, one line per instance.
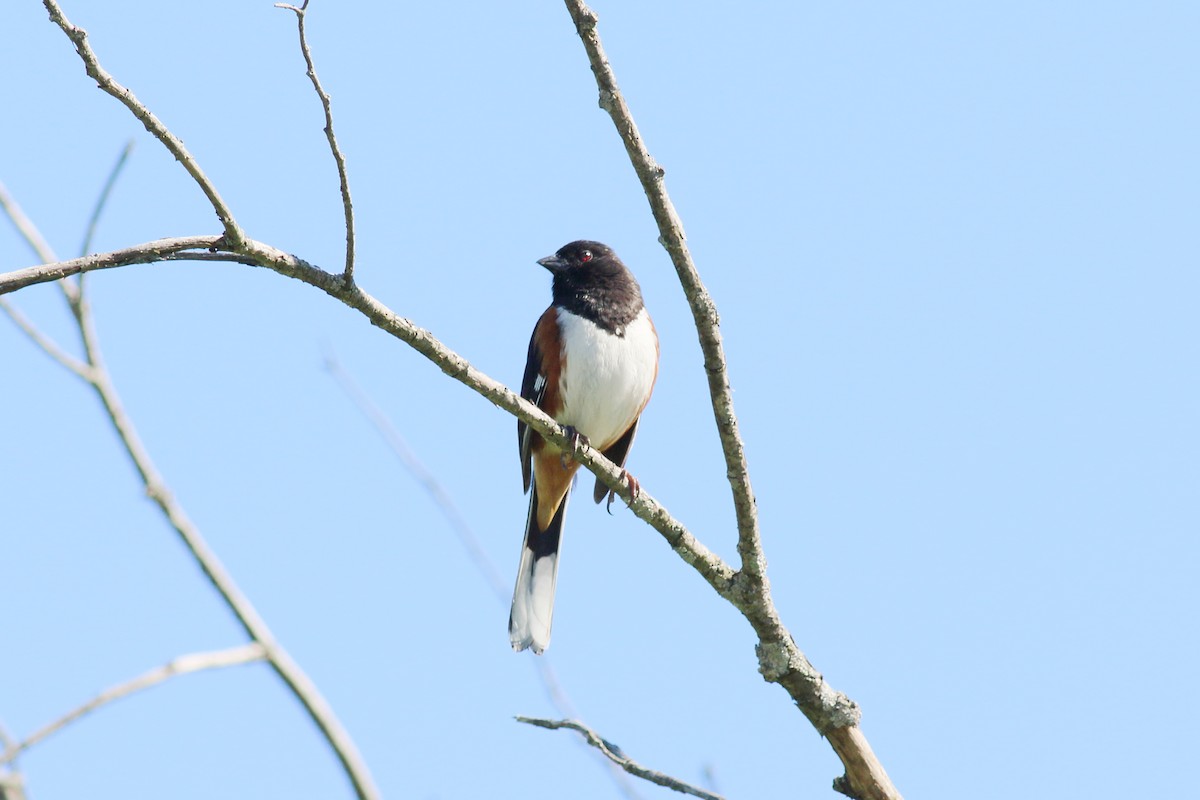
(593, 358)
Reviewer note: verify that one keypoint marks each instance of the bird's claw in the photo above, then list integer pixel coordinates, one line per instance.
(635, 489)
(575, 438)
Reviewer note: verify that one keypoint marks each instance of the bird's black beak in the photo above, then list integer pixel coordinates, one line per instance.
(553, 263)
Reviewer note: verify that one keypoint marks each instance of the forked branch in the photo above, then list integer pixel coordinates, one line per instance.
(780, 660)
(94, 373)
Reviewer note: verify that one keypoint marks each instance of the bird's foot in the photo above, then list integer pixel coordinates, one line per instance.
(576, 438)
(635, 489)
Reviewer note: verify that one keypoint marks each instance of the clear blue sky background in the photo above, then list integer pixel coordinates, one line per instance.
(954, 251)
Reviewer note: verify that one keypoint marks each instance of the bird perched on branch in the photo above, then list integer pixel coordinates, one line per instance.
(593, 358)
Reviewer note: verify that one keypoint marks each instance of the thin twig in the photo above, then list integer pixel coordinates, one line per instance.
(25, 227)
(433, 487)
(343, 180)
(75, 292)
(102, 200)
(106, 82)
(194, 662)
(45, 343)
(33, 237)
(620, 759)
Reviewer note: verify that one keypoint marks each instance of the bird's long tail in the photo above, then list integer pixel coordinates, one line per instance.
(533, 597)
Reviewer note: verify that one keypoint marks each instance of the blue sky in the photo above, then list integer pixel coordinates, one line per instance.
(954, 252)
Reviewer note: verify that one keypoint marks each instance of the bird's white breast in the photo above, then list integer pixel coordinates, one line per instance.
(606, 379)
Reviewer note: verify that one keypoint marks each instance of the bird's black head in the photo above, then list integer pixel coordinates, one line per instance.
(591, 281)
(582, 256)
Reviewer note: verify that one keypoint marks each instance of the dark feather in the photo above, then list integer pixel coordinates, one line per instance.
(617, 453)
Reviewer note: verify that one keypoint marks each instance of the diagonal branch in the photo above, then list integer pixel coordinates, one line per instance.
(106, 82)
(33, 237)
(704, 311)
(718, 574)
(613, 753)
(780, 660)
(96, 375)
(194, 662)
(343, 180)
(25, 226)
(712, 568)
(301, 686)
(45, 343)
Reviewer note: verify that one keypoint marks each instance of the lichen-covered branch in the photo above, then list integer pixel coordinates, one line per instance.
(780, 660)
(704, 311)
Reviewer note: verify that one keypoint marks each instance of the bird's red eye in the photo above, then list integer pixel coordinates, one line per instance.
(586, 256)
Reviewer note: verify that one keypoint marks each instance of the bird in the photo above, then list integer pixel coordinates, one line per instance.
(592, 364)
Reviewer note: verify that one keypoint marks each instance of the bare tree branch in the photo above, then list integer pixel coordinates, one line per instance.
(147, 253)
(704, 311)
(714, 570)
(194, 662)
(25, 227)
(620, 759)
(45, 343)
(33, 237)
(343, 180)
(106, 82)
(253, 253)
(780, 660)
(102, 200)
(256, 628)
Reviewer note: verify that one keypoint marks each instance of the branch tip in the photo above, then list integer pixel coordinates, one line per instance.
(618, 757)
